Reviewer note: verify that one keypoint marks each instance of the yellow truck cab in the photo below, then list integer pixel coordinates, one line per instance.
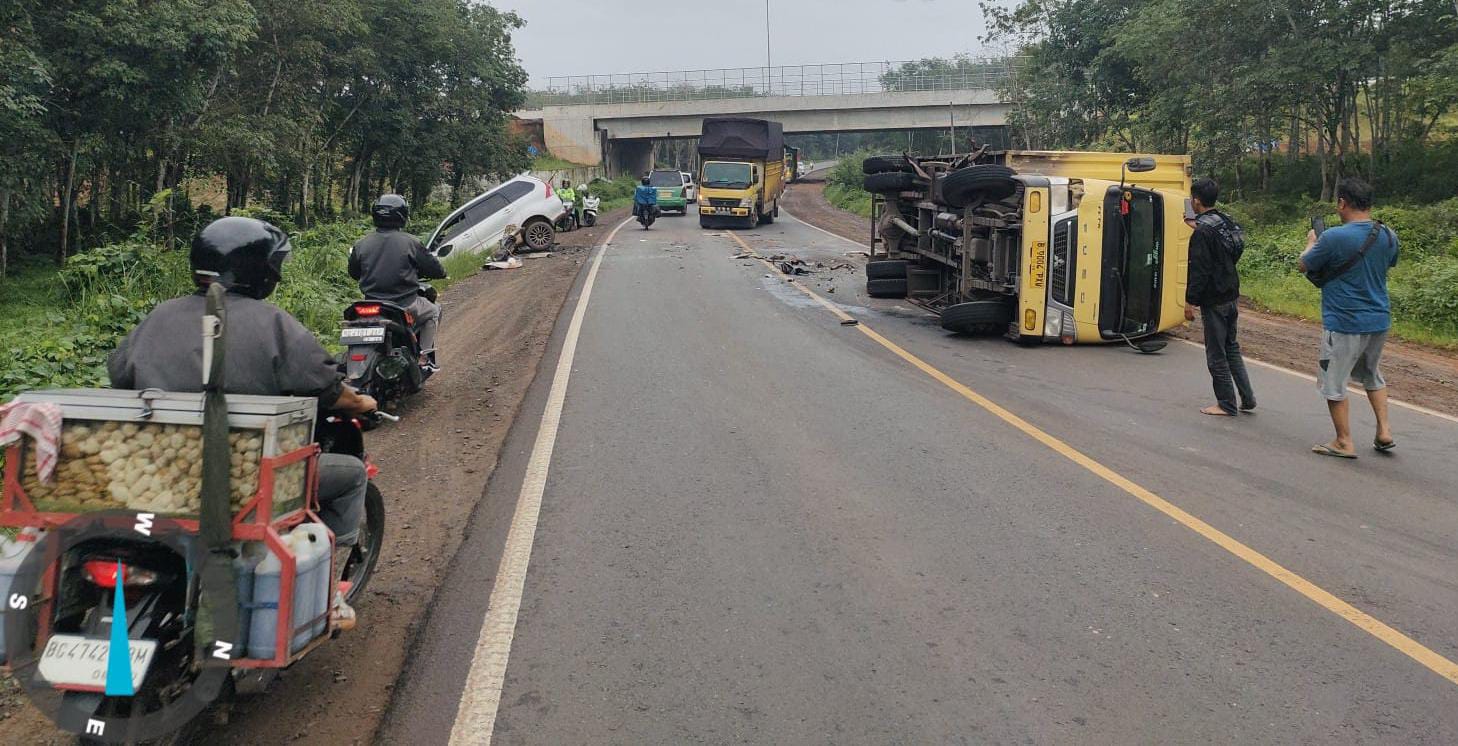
(743, 173)
(1041, 246)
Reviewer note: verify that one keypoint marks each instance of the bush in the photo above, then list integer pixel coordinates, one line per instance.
(845, 186)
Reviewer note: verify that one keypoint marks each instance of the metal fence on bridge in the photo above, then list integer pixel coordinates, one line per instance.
(792, 80)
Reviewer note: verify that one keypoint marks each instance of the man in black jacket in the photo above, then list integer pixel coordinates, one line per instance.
(1214, 288)
(390, 265)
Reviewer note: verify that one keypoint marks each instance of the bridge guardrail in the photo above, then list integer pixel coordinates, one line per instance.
(791, 80)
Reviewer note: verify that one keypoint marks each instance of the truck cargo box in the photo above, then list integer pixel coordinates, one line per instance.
(743, 138)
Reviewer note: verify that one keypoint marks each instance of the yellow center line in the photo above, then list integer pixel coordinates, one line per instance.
(1364, 621)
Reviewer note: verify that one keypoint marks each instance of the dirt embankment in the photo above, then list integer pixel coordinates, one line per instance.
(1417, 374)
(434, 466)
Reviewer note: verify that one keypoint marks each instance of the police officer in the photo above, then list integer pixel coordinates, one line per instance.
(390, 264)
(568, 194)
(269, 353)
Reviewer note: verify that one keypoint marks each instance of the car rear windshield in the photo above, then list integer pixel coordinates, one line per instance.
(666, 179)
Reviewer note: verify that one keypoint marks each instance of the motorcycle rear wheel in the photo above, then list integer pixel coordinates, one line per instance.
(359, 567)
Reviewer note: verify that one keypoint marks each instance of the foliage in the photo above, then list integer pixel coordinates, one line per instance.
(844, 187)
(615, 193)
(113, 110)
(1358, 84)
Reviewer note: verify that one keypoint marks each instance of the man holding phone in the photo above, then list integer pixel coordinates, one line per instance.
(1214, 289)
(1349, 263)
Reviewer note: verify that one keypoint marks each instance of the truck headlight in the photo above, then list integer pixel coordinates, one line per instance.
(1053, 323)
(746, 202)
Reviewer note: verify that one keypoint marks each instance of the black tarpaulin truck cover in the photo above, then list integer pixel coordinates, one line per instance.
(742, 137)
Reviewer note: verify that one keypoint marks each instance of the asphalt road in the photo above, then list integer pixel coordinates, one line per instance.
(760, 525)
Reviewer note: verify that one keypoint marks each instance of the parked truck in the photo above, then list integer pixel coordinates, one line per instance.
(1040, 246)
(743, 172)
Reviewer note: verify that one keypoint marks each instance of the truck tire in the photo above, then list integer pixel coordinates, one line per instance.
(978, 317)
(977, 184)
(880, 164)
(887, 269)
(886, 288)
(892, 182)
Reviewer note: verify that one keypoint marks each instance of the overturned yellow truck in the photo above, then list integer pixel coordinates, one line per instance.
(1041, 246)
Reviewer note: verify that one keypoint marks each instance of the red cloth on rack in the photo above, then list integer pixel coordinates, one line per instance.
(42, 422)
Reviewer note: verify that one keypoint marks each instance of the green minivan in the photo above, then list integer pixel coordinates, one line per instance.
(669, 185)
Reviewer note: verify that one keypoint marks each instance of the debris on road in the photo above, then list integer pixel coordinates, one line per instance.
(850, 322)
(510, 262)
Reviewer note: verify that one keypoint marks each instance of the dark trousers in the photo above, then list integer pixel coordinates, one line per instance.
(1222, 356)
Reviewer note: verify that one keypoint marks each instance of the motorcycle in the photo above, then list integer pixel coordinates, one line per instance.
(590, 207)
(647, 214)
(383, 355)
(568, 221)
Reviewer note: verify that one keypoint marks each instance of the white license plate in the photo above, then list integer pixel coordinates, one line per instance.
(76, 662)
(368, 335)
(665, 194)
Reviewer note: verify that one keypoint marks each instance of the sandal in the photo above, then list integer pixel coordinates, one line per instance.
(1384, 447)
(1326, 450)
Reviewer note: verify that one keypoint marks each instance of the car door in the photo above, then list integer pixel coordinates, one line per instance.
(690, 190)
(491, 216)
(508, 208)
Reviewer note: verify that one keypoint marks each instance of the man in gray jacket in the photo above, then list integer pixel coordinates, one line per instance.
(390, 264)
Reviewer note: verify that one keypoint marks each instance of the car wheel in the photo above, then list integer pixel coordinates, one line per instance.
(887, 269)
(539, 235)
(886, 288)
(978, 317)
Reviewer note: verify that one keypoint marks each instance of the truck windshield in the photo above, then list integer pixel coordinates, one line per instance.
(1132, 269)
(726, 175)
(665, 179)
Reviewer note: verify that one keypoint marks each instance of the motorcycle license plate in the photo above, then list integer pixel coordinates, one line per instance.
(76, 662)
(362, 335)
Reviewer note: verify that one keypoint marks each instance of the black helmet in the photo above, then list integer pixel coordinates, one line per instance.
(645, 181)
(390, 211)
(244, 254)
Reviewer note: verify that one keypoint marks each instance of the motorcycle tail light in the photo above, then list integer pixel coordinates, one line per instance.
(103, 574)
(371, 470)
(367, 309)
(357, 357)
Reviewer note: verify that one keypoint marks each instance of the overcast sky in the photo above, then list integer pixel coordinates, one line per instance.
(582, 37)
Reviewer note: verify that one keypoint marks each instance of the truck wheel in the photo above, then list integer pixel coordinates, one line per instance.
(777, 208)
(892, 182)
(887, 269)
(770, 216)
(977, 184)
(978, 317)
(880, 164)
(886, 288)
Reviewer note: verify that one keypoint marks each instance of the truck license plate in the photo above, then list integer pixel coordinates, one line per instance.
(76, 662)
(362, 335)
(723, 211)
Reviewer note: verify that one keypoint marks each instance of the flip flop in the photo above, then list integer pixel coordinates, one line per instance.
(1326, 450)
(1384, 447)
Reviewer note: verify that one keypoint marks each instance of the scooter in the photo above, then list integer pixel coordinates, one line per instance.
(590, 206)
(383, 352)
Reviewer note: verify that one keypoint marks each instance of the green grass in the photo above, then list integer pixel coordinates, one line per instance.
(843, 187)
(549, 162)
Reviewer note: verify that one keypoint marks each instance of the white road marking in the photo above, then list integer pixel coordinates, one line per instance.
(481, 697)
(1308, 377)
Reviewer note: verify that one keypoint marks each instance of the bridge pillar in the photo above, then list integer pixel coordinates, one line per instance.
(572, 136)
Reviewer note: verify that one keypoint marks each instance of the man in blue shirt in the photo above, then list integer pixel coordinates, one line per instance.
(644, 198)
(1355, 313)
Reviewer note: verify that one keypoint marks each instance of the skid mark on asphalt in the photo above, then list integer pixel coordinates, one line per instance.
(1318, 595)
(481, 696)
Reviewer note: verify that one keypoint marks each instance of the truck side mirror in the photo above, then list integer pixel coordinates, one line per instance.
(1140, 165)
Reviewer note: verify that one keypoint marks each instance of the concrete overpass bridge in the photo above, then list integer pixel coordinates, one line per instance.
(614, 120)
